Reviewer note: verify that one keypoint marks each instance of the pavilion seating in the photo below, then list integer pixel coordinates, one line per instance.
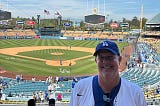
(26, 87)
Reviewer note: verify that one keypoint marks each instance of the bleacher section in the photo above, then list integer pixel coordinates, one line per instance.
(142, 77)
(17, 34)
(95, 34)
(28, 87)
(22, 90)
(149, 54)
(145, 73)
(77, 35)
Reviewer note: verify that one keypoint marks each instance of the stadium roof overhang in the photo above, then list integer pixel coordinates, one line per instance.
(153, 25)
(154, 22)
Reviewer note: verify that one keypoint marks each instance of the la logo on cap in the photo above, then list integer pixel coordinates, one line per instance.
(105, 44)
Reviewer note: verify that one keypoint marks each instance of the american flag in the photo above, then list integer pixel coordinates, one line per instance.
(57, 13)
(46, 12)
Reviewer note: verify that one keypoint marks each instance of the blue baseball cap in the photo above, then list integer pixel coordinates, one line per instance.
(107, 45)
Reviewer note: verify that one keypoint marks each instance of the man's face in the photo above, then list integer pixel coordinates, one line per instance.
(108, 64)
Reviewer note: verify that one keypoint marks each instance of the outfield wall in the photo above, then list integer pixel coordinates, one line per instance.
(59, 37)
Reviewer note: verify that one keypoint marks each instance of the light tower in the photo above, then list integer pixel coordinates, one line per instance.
(0, 6)
(141, 19)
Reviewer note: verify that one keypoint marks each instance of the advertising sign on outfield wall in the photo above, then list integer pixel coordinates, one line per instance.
(30, 22)
(114, 25)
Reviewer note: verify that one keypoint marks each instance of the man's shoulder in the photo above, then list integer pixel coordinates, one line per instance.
(86, 80)
(84, 84)
(129, 85)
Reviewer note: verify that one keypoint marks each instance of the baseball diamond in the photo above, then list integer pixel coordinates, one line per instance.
(48, 57)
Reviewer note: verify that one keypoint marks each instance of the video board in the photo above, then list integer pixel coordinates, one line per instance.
(5, 15)
(95, 19)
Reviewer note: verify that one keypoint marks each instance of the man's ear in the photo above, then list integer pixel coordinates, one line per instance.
(95, 59)
(120, 58)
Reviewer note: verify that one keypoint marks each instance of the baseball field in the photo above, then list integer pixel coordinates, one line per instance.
(44, 57)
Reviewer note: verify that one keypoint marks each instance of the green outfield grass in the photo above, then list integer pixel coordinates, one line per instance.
(39, 68)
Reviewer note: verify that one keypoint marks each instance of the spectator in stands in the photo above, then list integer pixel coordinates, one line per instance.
(21, 77)
(107, 88)
(0, 95)
(52, 102)
(31, 102)
(57, 79)
(158, 90)
(59, 97)
(50, 88)
(1, 87)
(74, 82)
(10, 94)
(3, 96)
(18, 78)
(46, 96)
(33, 79)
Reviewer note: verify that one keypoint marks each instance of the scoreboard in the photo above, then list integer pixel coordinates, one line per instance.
(5, 15)
(95, 19)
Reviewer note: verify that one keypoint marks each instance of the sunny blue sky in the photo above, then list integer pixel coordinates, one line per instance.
(77, 9)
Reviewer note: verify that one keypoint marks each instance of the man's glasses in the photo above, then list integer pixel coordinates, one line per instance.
(106, 58)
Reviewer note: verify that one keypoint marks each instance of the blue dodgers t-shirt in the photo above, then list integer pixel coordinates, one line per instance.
(100, 97)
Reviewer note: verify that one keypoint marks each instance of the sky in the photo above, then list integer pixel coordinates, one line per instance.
(77, 9)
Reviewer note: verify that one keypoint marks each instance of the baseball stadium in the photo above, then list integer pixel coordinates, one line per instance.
(42, 62)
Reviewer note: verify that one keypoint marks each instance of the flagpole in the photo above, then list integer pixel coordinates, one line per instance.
(141, 18)
(44, 20)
